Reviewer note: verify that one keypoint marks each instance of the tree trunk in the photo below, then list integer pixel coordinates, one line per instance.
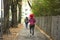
(14, 14)
(19, 5)
(19, 13)
(6, 15)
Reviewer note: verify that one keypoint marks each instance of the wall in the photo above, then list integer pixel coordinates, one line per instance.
(50, 24)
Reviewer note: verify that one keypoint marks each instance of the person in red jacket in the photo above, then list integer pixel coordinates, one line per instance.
(32, 23)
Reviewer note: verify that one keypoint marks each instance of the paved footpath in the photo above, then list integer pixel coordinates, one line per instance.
(25, 35)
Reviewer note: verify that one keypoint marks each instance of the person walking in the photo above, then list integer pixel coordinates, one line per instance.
(32, 24)
(26, 22)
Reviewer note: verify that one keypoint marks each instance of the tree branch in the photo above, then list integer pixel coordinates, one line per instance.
(29, 4)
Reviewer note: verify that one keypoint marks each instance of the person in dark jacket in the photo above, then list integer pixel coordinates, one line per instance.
(26, 22)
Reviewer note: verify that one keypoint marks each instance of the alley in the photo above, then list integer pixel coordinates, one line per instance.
(25, 35)
(14, 12)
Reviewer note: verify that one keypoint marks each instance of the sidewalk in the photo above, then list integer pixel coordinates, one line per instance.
(25, 35)
(13, 33)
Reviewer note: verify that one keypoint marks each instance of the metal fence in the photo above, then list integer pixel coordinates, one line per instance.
(50, 24)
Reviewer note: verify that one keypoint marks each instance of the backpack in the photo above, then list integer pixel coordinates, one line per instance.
(32, 21)
(26, 20)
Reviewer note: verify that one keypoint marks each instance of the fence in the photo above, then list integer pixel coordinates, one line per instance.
(51, 25)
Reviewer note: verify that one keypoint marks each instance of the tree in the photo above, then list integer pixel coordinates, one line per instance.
(19, 5)
(14, 13)
(46, 7)
(6, 16)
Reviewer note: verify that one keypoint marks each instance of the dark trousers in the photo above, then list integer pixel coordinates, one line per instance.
(32, 29)
(26, 25)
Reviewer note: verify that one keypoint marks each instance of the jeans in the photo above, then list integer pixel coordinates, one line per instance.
(26, 25)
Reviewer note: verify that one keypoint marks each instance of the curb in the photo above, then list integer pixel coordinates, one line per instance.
(44, 33)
